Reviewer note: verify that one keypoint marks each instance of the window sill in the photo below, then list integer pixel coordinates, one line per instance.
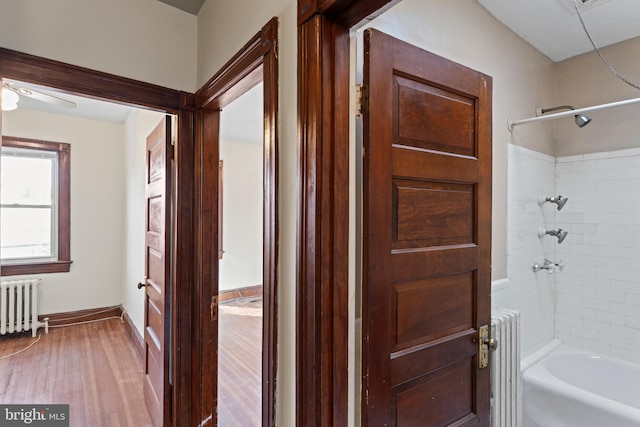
(36, 268)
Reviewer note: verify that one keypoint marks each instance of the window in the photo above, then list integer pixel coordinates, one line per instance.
(34, 207)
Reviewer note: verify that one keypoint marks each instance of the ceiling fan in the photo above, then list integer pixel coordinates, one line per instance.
(12, 92)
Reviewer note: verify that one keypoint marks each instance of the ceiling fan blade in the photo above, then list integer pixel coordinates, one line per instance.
(41, 96)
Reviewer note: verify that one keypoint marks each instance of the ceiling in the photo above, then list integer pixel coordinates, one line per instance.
(242, 120)
(87, 108)
(189, 6)
(553, 27)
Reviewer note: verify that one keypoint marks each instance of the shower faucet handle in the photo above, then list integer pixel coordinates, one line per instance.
(539, 267)
(547, 265)
(558, 264)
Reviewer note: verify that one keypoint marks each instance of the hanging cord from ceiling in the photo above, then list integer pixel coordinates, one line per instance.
(613, 70)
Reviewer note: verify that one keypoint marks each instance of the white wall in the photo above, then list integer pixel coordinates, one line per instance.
(241, 264)
(137, 127)
(598, 300)
(96, 208)
(141, 39)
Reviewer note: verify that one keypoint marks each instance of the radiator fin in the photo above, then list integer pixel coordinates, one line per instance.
(18, 306)
(506, 382)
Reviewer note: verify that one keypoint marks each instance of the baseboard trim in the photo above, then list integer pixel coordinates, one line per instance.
(65, 318)
(134, 335)
(234, 294)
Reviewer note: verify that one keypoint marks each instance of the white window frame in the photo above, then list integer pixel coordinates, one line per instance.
(38, 154)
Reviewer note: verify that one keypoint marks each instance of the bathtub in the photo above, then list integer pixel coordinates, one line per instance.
(575, 388)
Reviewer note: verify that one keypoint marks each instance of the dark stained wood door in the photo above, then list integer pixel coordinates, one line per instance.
(157, 273)
(427, 237)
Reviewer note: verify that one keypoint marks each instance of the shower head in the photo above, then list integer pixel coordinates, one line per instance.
(560, 201)
(581, 119)
(560, 234)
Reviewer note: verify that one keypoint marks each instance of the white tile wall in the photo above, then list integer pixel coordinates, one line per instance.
(598, 293)
(595, 302)
(530, 174)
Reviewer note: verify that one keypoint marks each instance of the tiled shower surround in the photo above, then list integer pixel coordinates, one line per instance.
(598, 293)
(594, 303)
(529, 174)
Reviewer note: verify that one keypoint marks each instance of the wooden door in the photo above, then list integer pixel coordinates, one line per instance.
(157, 273)
(427, 237)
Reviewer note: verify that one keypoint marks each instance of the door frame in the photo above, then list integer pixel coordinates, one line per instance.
(86, 82)
(256, 61)
(322, 240)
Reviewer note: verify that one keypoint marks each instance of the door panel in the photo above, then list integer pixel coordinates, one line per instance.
(447, 125)
(157, 273)
(449, 298)
(427, 237)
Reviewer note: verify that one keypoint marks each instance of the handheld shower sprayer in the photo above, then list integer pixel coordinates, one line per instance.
(560, 201)
(560, 234)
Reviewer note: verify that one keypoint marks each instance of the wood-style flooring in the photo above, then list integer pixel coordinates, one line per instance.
(93, 367)
(240, 363)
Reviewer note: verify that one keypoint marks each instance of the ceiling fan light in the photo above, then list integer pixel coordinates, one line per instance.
(9, 100)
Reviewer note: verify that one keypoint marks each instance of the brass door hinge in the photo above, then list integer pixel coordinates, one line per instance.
(362, 99)
(214, 307)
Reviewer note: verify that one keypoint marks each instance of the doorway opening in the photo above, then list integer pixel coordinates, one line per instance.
(105, 218)
(239, 197)
(76, 81)
(241, 213)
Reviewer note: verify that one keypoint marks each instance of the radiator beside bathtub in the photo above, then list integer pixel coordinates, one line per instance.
(19, 306)
(506, 381)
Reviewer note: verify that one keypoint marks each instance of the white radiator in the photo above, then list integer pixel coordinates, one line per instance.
(506, 382)
(19, 306)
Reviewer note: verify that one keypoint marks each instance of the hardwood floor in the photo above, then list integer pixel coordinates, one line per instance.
(240, 363)
(92, 367)
(95, 369)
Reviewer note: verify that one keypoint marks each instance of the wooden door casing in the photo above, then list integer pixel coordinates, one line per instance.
(256, 61)
(427, 237)
(87, 82)
(157, 273)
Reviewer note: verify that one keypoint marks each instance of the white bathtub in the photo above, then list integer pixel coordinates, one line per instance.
(575, 388)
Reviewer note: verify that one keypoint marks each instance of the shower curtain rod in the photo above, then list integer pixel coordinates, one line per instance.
(511, 123)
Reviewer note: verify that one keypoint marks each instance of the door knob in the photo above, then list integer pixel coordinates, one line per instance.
(491, 343)
(141, 285)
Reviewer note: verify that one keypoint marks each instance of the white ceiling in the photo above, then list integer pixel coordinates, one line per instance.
(85, 107)
(553, 27)
(241, 121)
